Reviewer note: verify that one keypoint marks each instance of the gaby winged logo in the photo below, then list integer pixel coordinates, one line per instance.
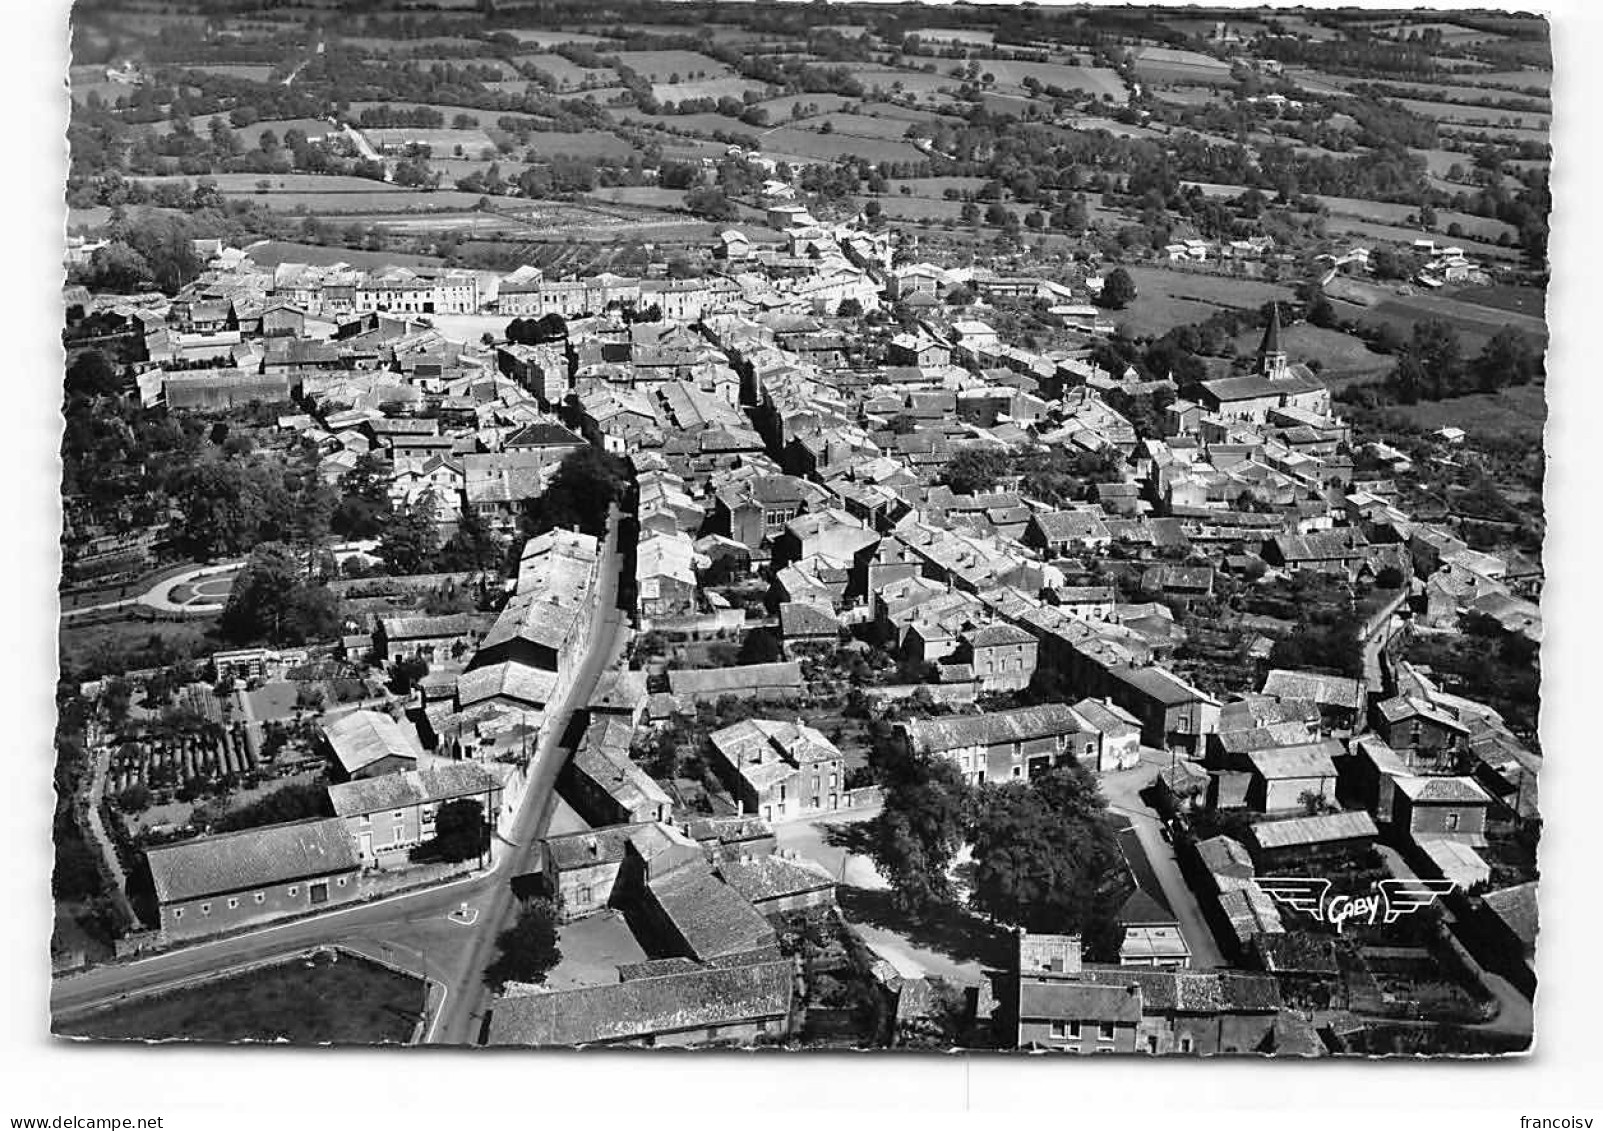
(1388, 902)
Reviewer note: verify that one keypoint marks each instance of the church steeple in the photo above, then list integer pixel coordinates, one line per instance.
(1271, 358)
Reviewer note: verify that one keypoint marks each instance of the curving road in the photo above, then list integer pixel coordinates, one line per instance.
(413, 930)
(156, 597)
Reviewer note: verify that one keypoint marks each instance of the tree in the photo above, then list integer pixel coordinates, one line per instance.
(272, 599)
(850, 308)
(581, 492)
(117, 267)
(761, 646)
(226, 507)
(916, 836)
(973, 470)
(460, 830)
(1118, 290)
(1508, 358)
(410, 539)
(364, 498)
(91, 374)
(404, 674)
(711, 204)
(529, 948)
(1044, 853)
(472, 547)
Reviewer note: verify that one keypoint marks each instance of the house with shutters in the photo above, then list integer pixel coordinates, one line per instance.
(779, 770)
(1002, 746)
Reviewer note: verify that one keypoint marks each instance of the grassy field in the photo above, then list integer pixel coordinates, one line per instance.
(781, 110)
(1166, 299)
(442, 142)
(117, 645)
(644, 196)
(1471, 115)
(310, 1001)
(1479, 228)
(726, 86)
(1166, 65)
(270, 253)
(1474, 323)
(1528, 301)
(661, 66)
(1368, 229)
(1095, 81)
(1341, 355)
(912, 81)
(251, 72)
(1518, 412)
(568, 75)
(790, 142)
(553, 38)
(865, 125)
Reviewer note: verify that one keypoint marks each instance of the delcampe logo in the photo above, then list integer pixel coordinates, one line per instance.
(1388, 902)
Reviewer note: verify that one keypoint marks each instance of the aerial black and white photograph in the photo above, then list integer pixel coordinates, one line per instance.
(1012, 529)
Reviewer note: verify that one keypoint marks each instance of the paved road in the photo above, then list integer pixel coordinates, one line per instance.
(412, 930)
(463, 1016)
(156, 596)
(1123, 789)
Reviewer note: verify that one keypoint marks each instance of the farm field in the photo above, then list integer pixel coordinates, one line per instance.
(643, 196)
(1343, 225)
(805, 145)
(442, 142)
(661, 66)
(554, 38)
(1474, 227)
(1166, 299)
(1095, 81)
(359, 206)
(1474, 324)
(860, 125)
(406, 48)
(251, 72)
(230, 183)
(311, 1000)
(1518, 412)
(724, 86)
(708, 123)
(1527, 301)
(1499, 133)
(1518, 80)
(938, 186)
(1168, 65)
(912, 81)
(592, 143)
(569, 75)
(1478, 115)
(270, 253)
(781, 110)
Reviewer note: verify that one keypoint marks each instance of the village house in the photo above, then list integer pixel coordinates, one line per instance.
(1003, 746)
(779, 769)
(213, 884)
(712, 1005)
(604, 786)
(388, 816)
